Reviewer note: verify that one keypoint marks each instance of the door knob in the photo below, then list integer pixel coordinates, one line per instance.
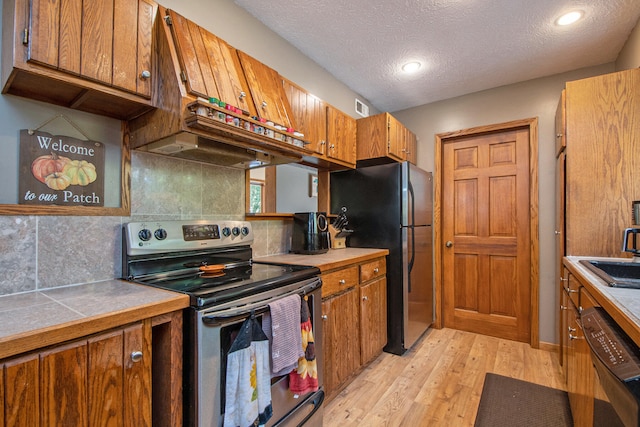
(449, 243)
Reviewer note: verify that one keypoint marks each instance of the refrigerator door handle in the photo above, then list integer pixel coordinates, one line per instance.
(412, 255)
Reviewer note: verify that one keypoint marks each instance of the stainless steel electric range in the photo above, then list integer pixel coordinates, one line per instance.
(211, 261)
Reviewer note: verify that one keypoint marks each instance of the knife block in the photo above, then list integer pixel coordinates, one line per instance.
(337, 242)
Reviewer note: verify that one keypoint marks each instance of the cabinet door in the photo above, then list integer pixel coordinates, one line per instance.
(565, 312)
(133, 21)
(267, 91)
(373, 319)
(396, 141)
(211, 67)
(310, 116)
(120, 378)
(341, 136)
(137, 376)
(410, 147)
(341, 339)
(95, 40)
(19, 392)
(105, 355)
(601, 171)
(63, 385)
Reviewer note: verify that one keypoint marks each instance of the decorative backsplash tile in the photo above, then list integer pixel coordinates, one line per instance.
(52, 251)
(17, 254)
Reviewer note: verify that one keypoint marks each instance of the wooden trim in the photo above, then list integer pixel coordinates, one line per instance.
(440, 139)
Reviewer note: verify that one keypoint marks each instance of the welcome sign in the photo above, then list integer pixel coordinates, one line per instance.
(60, 170)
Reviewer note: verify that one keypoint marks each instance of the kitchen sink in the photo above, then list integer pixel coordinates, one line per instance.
(618, 274)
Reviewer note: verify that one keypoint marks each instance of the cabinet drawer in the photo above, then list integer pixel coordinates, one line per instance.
(340, 280)
(373, 269)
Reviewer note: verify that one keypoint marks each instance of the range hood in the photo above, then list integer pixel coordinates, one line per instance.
(190, 146)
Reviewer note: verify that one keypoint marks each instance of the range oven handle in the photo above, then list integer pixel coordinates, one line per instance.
(259, 307)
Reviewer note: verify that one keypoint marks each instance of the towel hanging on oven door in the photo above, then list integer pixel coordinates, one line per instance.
(304, 379)
(248, 385)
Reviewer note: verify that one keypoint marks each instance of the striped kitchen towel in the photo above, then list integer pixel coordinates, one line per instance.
(286, 341)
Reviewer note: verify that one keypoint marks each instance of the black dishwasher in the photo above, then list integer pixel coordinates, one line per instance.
(617, 361)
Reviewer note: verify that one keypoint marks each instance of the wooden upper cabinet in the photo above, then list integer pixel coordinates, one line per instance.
(383, 136)
(211, 67)
(310, 115)
(341, 136)
(107, 41)
(267, 91)
(94, 56)
(602, 173)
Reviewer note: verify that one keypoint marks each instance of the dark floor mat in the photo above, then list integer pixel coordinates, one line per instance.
(510, 402)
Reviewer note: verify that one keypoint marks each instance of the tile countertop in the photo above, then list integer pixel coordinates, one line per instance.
(334, 258)
(623, 304)
(37, 319)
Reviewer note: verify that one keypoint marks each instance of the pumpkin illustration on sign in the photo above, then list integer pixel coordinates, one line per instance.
(44, 166)
(80, 172)
(58, 172)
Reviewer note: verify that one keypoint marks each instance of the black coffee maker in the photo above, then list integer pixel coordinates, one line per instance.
(310, 233)
(631, 239)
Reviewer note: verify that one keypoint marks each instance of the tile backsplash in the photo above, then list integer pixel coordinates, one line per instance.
(38, 252)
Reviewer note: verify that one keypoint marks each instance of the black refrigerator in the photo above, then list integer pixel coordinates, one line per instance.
(391, 206)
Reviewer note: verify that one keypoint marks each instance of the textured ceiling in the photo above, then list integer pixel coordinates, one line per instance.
(466, 45)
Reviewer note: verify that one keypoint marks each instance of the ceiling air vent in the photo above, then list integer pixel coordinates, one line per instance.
(362, 108)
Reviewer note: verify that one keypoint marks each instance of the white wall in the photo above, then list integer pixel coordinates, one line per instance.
(629, 56)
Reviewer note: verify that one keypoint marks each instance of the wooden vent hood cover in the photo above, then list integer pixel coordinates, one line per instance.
(194, 66)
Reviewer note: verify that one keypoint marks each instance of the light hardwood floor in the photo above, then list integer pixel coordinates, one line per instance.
(438, 382)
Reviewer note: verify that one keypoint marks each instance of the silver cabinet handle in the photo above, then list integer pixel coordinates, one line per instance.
(375, 270)
(144, 75)
(264, 104)
(365, 298)
(342, 281)
(449, 243)
(324, 317)
(136, 356)
(570, 329)
(242, 95)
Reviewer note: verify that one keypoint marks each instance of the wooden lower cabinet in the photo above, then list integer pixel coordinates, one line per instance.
(583, 386)
(341, 339)
(354, 313)
(104, 379)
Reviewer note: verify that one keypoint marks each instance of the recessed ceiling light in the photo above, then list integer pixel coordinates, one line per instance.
(569, 18)
(411, 67)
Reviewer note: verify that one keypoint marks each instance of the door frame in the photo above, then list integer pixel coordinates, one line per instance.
(534, 277)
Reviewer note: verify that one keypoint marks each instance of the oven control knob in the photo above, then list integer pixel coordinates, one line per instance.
(235, 231)
(245, 231)
(160, 234)
(226, 232)
(144, 234)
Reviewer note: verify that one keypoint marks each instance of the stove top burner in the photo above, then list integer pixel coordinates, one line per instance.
(232, 283)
